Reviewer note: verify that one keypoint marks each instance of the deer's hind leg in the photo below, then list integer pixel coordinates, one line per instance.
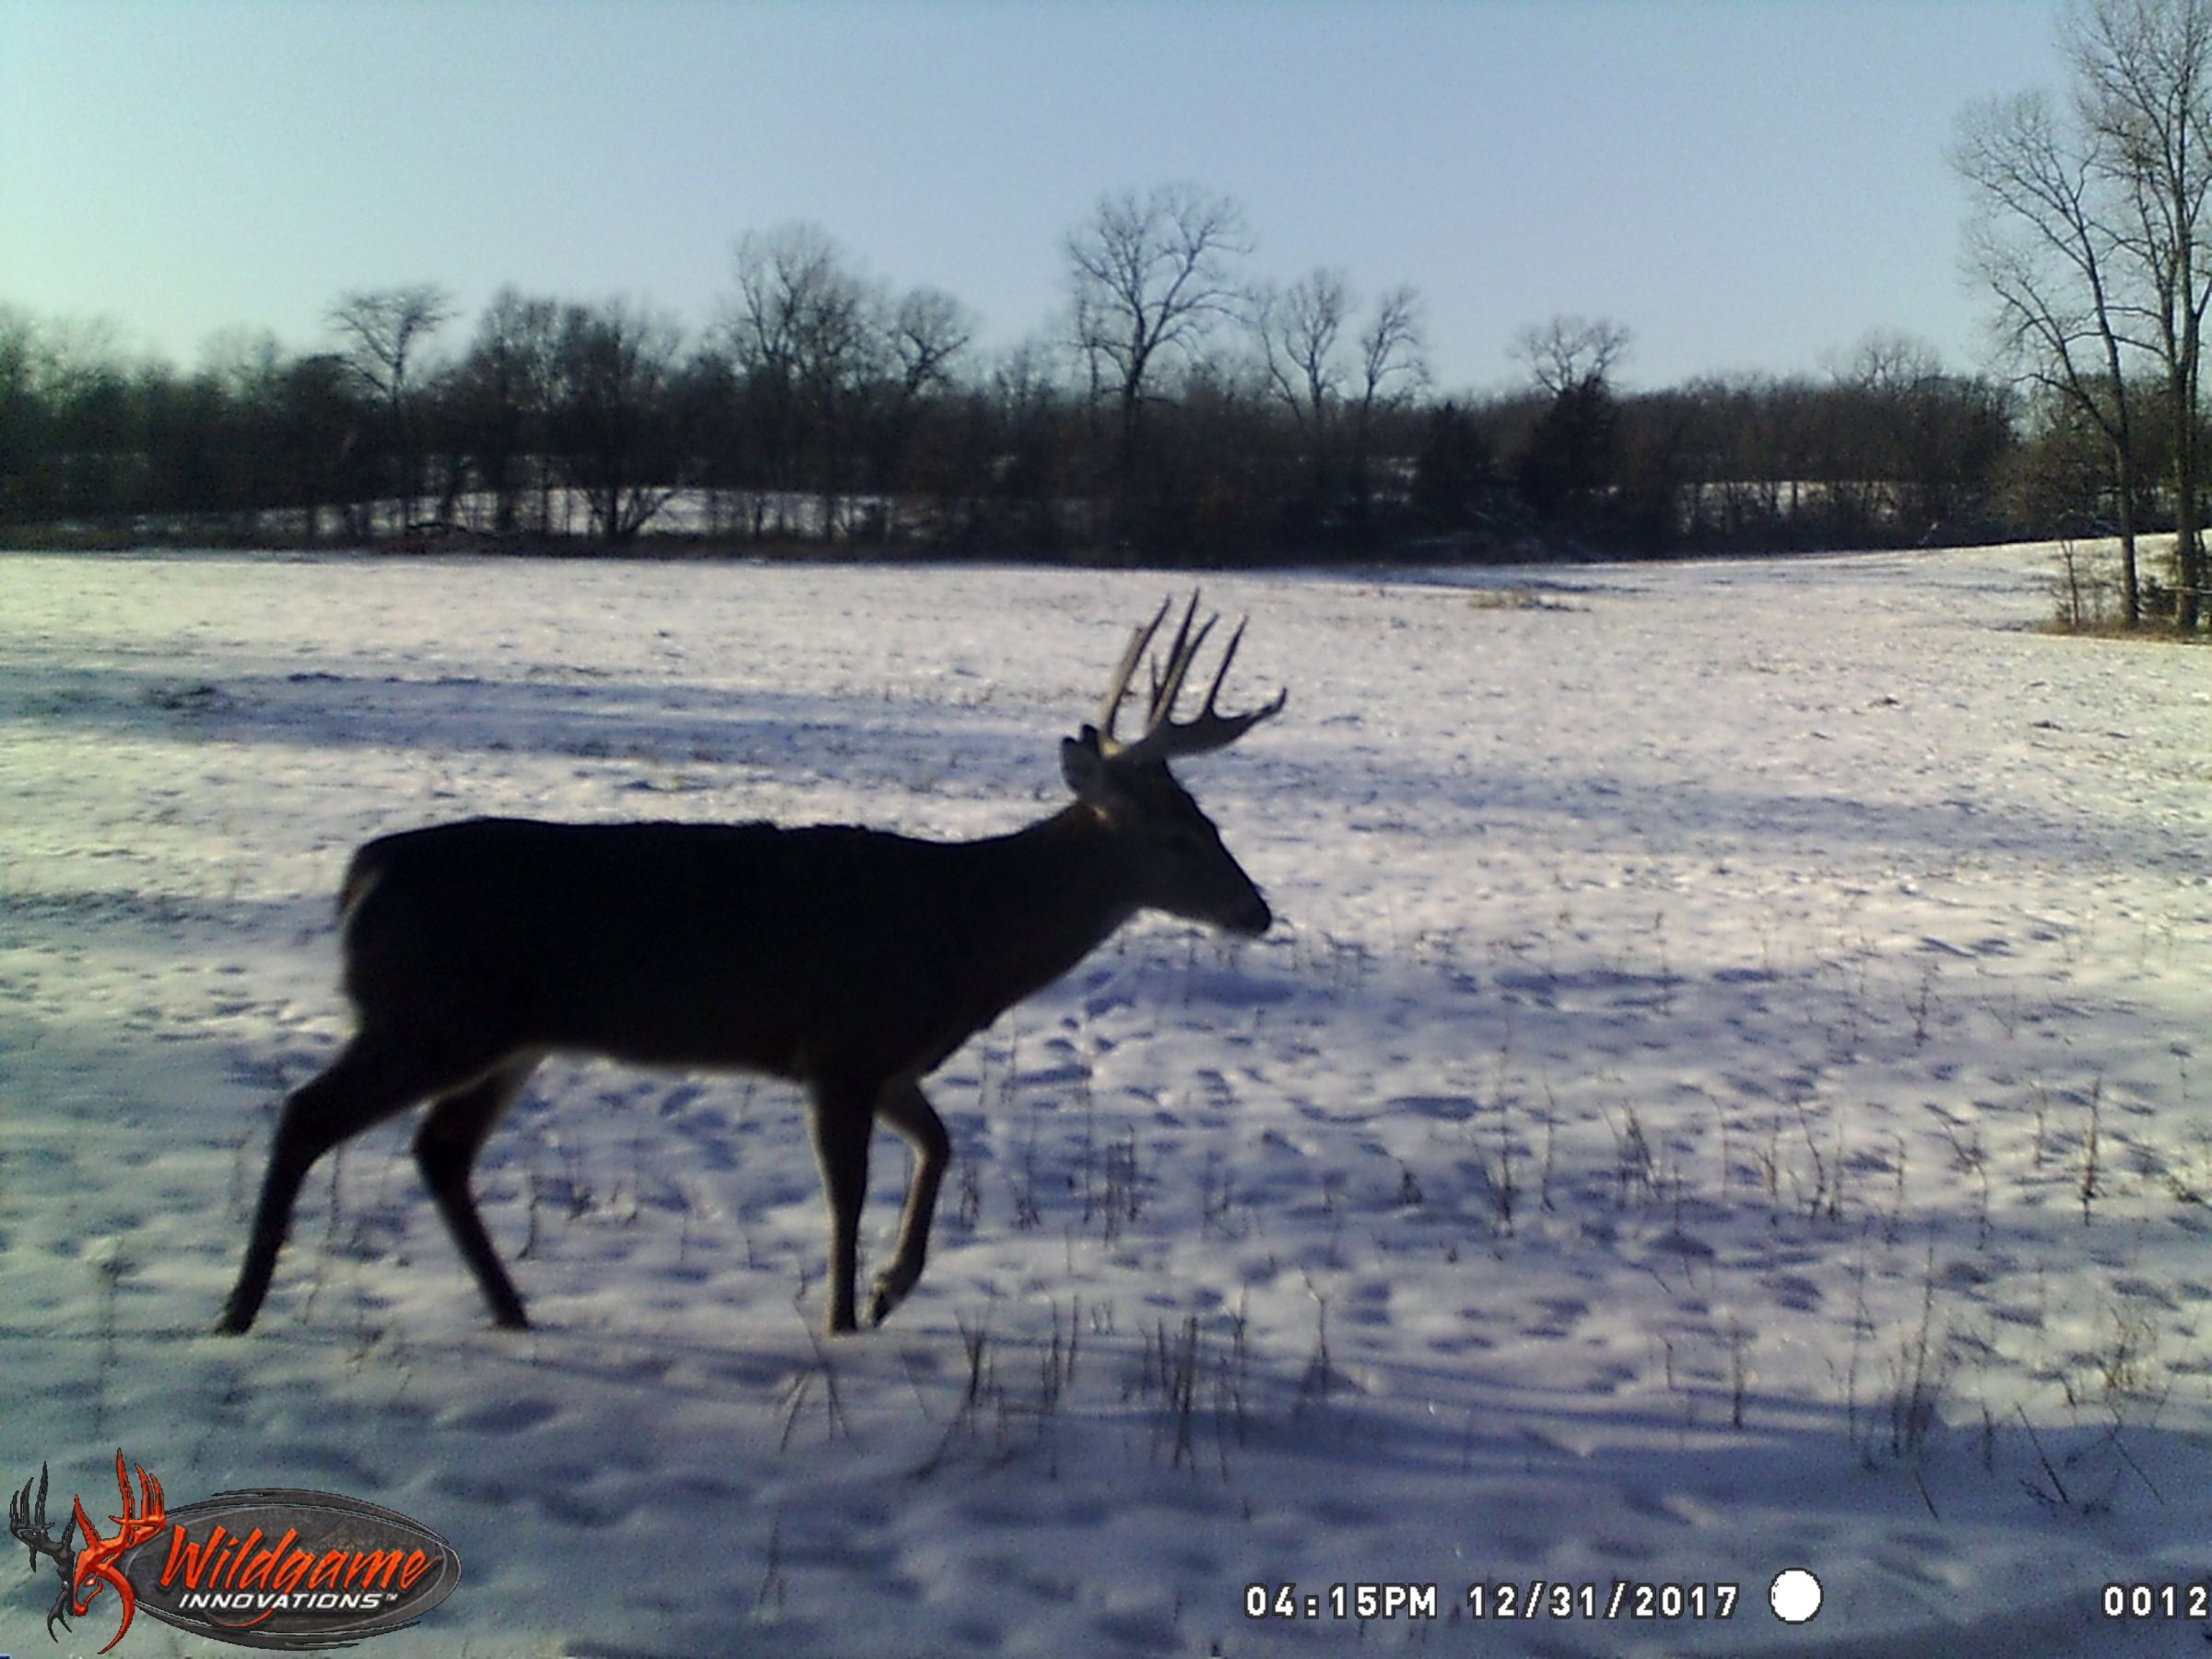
(907, 1110)
(376, 1076)
(452, 1134)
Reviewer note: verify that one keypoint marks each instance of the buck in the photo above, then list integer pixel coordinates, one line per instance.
(852, 961)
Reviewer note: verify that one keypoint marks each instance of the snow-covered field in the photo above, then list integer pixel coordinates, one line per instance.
(1727, 1092)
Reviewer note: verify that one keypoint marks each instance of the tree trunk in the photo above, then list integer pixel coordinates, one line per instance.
(2188, 548)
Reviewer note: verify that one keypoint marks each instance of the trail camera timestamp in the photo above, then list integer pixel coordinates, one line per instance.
(1501, 1600)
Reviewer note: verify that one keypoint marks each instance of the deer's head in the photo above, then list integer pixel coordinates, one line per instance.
(1179, 861)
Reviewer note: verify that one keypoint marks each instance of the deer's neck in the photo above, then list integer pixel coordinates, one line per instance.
(1047, 897)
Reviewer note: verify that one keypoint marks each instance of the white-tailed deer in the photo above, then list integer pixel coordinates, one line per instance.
(852, 961)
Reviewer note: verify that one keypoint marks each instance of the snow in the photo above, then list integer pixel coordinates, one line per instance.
(1725, 1094)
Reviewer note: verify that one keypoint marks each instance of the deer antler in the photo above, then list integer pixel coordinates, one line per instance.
(27, 1523)
(1165, 737)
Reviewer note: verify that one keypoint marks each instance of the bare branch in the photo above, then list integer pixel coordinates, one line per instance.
(1567, 352)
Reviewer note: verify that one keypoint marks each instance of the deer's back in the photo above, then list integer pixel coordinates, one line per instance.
(740, 944)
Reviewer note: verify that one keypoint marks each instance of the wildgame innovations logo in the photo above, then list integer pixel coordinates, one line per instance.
(276, 1568)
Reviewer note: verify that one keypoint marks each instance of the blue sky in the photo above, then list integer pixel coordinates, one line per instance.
(1747, 186)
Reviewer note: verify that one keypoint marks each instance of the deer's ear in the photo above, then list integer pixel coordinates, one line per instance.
(1085, 769)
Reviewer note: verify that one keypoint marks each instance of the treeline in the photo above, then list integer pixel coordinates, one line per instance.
(1181, 409)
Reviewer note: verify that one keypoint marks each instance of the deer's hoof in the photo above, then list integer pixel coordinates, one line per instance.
(890, 1290)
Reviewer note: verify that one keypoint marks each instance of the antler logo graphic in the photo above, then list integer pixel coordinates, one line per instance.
(92, 1565)
(273, 1567)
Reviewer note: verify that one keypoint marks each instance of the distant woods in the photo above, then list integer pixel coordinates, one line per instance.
(1181, 406)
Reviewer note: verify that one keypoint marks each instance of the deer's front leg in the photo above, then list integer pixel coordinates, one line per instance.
(842, 1118)
(905, 1109)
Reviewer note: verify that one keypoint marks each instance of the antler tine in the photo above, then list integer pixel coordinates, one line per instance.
(1117, 691)
(1167, 684)
(1228, 655)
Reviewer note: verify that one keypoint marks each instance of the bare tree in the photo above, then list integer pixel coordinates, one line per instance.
(1566, 352)
(2144, 71)
(381, 335)
(502, 398)
(1392, 369)
(1392, 364)
(927, 329)
(609, 417)
(1319, 377)
(314, 418)
(1570, 463)
(382, 331)
(923, 333)
(2041, 241)
(800, 329)
(1151, 275)
(238, 387)
(1299, 329)
(1023, 475)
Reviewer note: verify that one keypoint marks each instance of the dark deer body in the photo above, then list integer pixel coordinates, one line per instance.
(850, 961)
